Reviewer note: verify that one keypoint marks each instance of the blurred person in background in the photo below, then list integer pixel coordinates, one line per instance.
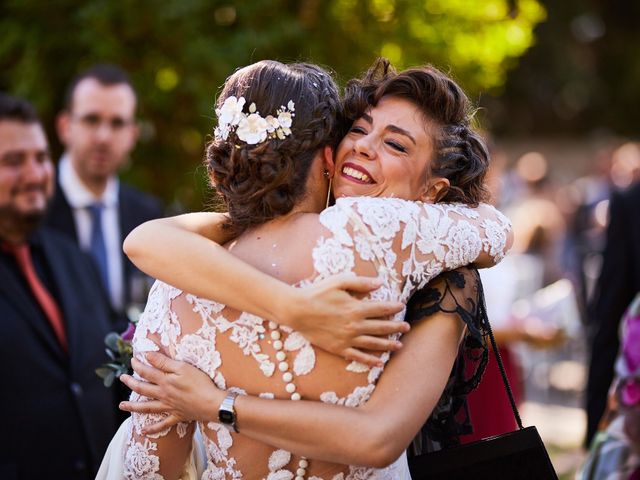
(587, 202)
(625, 165)
(614, 169)
(617, 284)
(518, 276)
(537, 219)
(98, 129)
(615, 452)
(57, 416)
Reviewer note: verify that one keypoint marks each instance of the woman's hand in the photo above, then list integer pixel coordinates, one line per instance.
(177, 388)
(329, 315)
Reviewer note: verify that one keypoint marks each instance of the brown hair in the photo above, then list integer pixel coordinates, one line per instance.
(105, 74)
(460, 153)
(17, 109)
(260, 182)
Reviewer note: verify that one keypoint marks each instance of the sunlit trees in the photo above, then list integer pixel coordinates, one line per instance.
(179, 51)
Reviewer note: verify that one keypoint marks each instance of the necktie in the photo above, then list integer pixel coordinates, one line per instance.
(97, 247)
(51, 310)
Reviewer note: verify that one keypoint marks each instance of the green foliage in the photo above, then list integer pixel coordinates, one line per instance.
(580, 78)
(180, 51)
(120, 352)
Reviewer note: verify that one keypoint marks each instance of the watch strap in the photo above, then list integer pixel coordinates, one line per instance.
(227, 412)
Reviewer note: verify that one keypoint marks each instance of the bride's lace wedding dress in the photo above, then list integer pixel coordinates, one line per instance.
(406, 243)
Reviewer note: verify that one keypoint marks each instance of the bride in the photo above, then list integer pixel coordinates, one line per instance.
(268, 158)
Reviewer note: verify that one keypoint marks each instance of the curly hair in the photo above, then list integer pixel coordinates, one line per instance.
(460, 153)
(260, 182)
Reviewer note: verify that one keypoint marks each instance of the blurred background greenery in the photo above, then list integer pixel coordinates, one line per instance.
(559, 76)
(536, 65)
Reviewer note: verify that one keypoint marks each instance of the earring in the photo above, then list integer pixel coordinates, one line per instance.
(328, 192)
(326, 174)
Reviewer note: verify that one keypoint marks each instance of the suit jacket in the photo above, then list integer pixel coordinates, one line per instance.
(57, 417)
(134, 208)
(618, 283)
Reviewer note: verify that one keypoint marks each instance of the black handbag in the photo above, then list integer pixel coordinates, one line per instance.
(515, 455)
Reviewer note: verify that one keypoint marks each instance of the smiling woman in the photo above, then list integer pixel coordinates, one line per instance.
(275, 188)
(411, 131)
(388, 149)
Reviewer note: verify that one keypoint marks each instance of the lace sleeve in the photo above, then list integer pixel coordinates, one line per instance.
(454, 293)
(412, 242)
(164, 455)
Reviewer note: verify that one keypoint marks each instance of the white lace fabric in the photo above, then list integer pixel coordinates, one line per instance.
(406, 243)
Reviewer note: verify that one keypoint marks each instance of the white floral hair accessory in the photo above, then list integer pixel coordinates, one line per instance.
(251, 127)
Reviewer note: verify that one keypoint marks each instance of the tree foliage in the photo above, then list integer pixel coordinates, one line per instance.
(580, 78)
(180, 51)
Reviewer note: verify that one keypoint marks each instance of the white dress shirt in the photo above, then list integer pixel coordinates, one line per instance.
(80, 198)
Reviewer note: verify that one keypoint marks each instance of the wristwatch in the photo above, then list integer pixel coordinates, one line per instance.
(226, 412)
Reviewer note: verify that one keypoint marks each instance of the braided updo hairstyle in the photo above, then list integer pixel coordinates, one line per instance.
(459, 153)
(263, 181)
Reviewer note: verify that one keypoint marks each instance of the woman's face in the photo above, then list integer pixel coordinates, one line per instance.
(385, 153)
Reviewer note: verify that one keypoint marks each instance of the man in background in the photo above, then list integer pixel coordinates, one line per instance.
(98, 129)
(618, 284)
(57, 417)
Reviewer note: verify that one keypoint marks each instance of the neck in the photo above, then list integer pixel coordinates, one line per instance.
(284, 219)
(12, 237)
(96, 186)
(15, 228)
(310, 204)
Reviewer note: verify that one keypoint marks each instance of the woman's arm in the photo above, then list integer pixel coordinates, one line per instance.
(379, 430)
(499, 237)
(164, 454)
(417, 240)
(184, 251)
(455, 235)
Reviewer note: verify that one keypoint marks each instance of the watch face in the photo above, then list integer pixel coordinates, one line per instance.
(225, 416)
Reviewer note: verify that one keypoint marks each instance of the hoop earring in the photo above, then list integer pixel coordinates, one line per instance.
(328, 194)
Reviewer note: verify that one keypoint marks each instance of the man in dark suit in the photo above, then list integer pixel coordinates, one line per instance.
(618, 283)
(57, 417)
(91, 205)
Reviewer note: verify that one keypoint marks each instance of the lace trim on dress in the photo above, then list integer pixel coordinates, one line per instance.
(408, 242)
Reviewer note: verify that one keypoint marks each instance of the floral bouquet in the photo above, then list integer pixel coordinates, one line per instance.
(120, 351)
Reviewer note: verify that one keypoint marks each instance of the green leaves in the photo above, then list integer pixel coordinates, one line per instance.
(120, 353)
(111, 341)
(179, 52)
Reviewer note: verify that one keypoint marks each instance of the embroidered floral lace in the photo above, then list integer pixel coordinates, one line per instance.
(407, 243)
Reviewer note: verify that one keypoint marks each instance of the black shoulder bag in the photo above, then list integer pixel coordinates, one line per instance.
(515, 455)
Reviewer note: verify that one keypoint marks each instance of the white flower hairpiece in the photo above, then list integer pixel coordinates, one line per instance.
(251, 127)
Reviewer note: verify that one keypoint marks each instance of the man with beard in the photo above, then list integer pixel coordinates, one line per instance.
(98, 130)
(57, 417)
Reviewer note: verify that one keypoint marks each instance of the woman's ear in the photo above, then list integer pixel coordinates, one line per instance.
(329, 164)
(436, 189)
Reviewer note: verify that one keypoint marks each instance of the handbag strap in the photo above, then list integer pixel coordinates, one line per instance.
(483, 313)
